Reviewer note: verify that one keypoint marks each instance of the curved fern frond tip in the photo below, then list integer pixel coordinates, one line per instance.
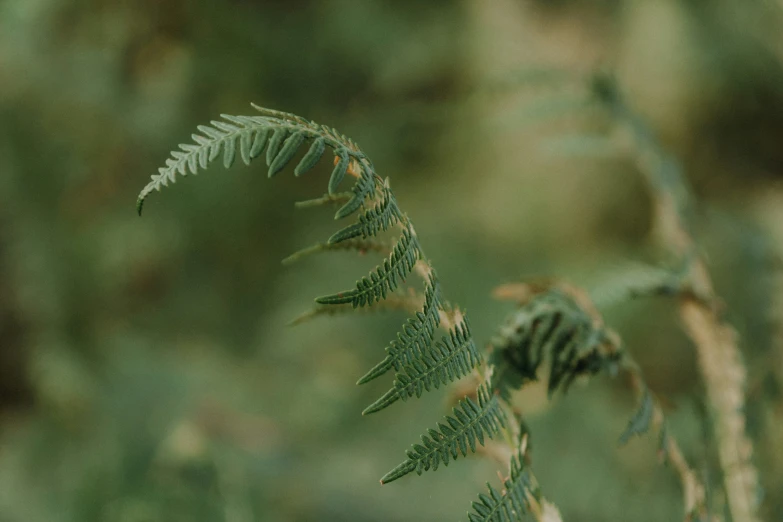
(282, 135)
(421, 362)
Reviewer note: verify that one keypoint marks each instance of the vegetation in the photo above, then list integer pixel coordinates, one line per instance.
(147, 373)
(556, 325)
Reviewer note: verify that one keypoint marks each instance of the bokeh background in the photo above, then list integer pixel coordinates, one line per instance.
(146, 370)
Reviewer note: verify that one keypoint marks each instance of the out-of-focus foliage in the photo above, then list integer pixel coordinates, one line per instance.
(147, 373)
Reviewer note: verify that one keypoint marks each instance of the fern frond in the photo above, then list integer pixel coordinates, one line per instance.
(550, 326)
(311, 158)
(439, 364)
(510, 504)
(384, 279)
(471, 422)
(417, 335)
(382, 216)
(421, 363)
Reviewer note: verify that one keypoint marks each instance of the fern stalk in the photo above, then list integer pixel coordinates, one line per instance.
(719, 358)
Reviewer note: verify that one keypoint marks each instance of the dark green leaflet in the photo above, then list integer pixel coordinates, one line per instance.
(311, 158)
(275, 142)
(287, 152)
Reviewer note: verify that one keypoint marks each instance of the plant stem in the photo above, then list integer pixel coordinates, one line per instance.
(719, 358)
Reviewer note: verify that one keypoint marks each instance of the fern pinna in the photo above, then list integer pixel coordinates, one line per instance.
(553, 325)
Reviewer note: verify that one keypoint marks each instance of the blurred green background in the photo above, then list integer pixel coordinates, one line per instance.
(146, 372)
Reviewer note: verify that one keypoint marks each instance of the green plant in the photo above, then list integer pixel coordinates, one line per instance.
(555, 325)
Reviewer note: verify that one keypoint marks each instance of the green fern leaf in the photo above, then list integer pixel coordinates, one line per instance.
(640, 422)
(439, 364)
(249, 136)
(380, 217)
(275, 142)
(362, 189)
(384, 279)
(287, 152)
(339, 170)
(259, 143)
(471, 422)
(281, 115)
(229, 151)
(311, 158)
(417, 335)
(221, 137)
(550, 326)
(512, 504)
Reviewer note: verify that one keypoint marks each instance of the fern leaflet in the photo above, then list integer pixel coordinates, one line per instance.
(471, 422)
(380, 217)
(416, 335)
(362, 189)
(384, 279)
(439, 364)
(512, 503)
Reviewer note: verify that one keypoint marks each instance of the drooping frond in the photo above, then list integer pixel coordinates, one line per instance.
(417, 335)
(438, 364)
(472, 421)
(421, 363)
(551, 326)
(513, 502)
(384, 279)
